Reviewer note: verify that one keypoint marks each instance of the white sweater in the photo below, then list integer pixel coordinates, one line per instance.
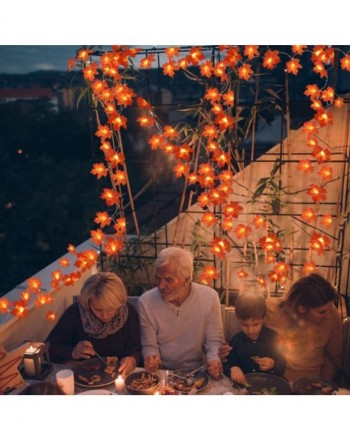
(184, 336)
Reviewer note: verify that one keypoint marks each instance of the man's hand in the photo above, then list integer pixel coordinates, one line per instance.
(152, 363)
(215, 369)
(224, 351)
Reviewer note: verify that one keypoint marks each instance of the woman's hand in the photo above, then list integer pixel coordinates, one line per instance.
(83, 349)
(215, 369)
(224, 351)
(127, 365)
(237, 375)
(265, 363)
(152, 363)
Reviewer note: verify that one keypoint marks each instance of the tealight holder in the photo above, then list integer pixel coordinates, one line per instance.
(36, 363)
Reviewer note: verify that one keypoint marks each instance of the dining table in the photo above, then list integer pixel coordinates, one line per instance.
(215, 387)
(222, 386)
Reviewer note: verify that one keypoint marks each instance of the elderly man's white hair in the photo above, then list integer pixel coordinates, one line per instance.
(179, 259)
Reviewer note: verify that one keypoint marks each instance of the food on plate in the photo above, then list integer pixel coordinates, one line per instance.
(145, 381)
(85, 380)
(317, 385)
(267, 391)
(111, 365)
(92, 367)
(327, 390)
(199, 383)
(95, 378)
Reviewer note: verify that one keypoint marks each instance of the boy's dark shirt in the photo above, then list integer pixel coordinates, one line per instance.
(243, 349)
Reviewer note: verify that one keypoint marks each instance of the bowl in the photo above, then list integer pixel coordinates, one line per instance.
(141, 383)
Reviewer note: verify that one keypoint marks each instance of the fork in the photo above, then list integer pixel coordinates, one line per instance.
(99, 356)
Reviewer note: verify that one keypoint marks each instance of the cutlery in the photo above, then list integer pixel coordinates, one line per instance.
(190, 374)
(99, 356)
(189, 381)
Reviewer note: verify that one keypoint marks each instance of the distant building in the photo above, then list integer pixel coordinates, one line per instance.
(30, 94)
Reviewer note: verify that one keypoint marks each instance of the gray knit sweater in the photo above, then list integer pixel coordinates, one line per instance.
(184, 336)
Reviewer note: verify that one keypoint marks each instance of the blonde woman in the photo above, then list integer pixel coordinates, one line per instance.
(101, 321)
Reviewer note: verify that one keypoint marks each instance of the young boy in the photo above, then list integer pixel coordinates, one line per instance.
(255, 348)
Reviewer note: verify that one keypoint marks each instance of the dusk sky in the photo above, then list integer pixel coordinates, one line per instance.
(23, 59)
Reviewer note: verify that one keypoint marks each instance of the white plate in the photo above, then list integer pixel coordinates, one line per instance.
(97, 392)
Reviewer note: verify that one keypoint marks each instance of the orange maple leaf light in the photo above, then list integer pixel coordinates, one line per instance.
(172, 52)
(317, 193)
(327, 220)
(318, 243)
(242, 231)
(97, 236)
(51, 316)
(251, 51)
(99, 170)
(309, 215)
(270, 258)
(293, 66)
(4, 305)
(43, 299)
(181, 169)
(245, 71)
(118, 121)
(169, 68)
(242, 274)
(339, 102)
(227, 224)
(213, 95)
(229, 98)
(83, 54)
(34, 284)
(309, 267)
(103, 132)
(310, 127)
(305, 166)
(102, 218)
(25, 296)
(345, 62)
(19, 309)
(64, 262)
(120, 177)
(120, 225)
(71, 64)
(206, 69)
(111, 197)
(259, 221)
(113, 246)
(219, 246)
(146, 63)
(142, 103)
(298, 49)
(232, 209)
(326, 173)
(210, 131)
(209, 219)
(324, 117)
(322, 154)
(270, 243)
(261, 281)
(209, 273)
(146, 121)
(271, 59)
(312, 91)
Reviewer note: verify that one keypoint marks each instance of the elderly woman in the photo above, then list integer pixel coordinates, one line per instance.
(181, 324)
(101, 321)
(310, 328)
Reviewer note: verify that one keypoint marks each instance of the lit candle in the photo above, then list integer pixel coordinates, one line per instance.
(119, 384)
(29, 365)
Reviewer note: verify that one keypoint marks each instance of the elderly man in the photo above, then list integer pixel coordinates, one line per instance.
(181, 325)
